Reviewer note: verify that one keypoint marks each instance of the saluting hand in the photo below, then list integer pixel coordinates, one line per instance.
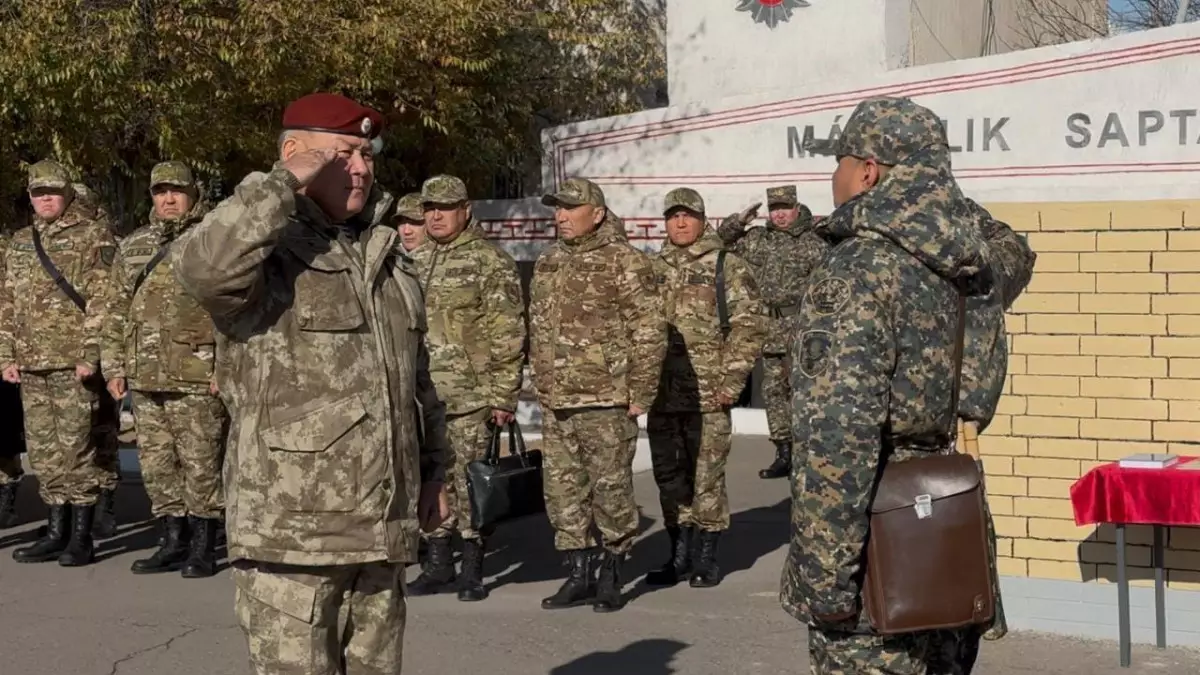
(749, 214)
(305, 165)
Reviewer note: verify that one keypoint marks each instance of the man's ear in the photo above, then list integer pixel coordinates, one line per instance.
(468, 208)
(600, 214)
(290, 146)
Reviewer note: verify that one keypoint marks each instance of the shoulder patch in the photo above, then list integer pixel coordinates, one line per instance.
(107, 255)
(829, 296)
(815, 348)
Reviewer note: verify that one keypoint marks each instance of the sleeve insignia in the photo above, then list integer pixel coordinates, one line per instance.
(815, 349)
(107, 255)
(829, 296)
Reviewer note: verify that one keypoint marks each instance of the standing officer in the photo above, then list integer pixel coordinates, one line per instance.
(716, 324)
(324, 369)
(476, 336)
(55, 276)
(410, 222)
(781, 255)
(597, 340)
(163, 347)
(873, 365)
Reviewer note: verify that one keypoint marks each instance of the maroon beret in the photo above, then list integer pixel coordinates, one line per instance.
(332, 113)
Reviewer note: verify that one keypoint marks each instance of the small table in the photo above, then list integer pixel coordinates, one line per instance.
(1170, 497)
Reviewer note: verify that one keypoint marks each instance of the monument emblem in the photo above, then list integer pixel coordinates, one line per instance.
(770, 12)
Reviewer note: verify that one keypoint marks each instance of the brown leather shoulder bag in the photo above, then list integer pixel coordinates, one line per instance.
(927, 550)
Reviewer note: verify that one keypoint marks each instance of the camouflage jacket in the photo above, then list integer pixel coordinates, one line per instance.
(476, 321)
(781, 260)
(40, 327)
(985, 349)
(872, 370)
(420, 257)
(159, 338)
(324, 371)
(700, 362)
(597, 334)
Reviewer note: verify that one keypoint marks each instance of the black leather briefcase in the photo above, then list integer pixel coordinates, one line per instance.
(503, 488)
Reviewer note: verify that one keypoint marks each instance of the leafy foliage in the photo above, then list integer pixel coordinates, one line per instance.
(110, 87)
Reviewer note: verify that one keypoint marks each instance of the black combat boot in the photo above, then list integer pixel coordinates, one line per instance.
(580, 586)
(679, 565)
(8, 504)
(53, 542)
(608, 590)
(202, 558)
(172, 550)
(782, 466)
(706, 573)
(105, 524)
(470, 582)
(80, 551)
(438, 574)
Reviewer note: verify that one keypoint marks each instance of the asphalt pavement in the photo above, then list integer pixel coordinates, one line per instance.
(102, 620)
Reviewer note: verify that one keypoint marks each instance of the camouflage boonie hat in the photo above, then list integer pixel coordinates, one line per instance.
(782, 195)
(443, 189)
(684, 198)
(410, 207)
(171, 173)
(576, 192)
(886, 129)
(48, 174)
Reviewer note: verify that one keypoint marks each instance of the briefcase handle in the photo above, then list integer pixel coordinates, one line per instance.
(516, 443)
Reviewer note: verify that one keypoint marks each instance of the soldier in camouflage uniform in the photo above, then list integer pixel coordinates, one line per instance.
(323, 370)
(50, 345)
(781, 255)
(709, 356)
(476, 338)
(597, 341)
(410, 223)
(873, 365)
(985, 365)
(163, 348)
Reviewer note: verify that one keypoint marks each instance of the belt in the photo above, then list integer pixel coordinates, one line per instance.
(784, 311)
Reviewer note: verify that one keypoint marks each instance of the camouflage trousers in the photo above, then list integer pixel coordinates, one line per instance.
(854, 653)
(689, 452)
(106, 429)
(181, 442)
(61, 417)
(777, 395)
(468, 437)
(333, 620)
(587, 471)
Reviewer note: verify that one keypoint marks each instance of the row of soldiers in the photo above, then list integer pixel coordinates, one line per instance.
(84, 320)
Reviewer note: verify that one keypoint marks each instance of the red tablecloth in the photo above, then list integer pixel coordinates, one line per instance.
(1111, 494)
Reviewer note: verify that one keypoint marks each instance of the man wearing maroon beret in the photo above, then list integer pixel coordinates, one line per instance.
(325, 375)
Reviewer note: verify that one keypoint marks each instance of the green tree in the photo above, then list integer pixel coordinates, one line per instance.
(111, 87)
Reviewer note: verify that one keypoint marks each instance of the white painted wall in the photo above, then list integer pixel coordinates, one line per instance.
(1112, 119)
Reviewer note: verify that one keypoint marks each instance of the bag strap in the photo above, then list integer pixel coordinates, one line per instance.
(722, 299)
(958, 363)
(158, 257)
(516, 443)
(48, 265)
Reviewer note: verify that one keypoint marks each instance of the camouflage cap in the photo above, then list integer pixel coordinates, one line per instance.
(886, 129)
(411, 207)
(782, 195)
(48, 174)
(171, 173)
(686, 198)
(576, 192)
(443, 189)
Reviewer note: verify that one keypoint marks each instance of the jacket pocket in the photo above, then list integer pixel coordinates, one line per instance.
(190, 355)
(314, 458)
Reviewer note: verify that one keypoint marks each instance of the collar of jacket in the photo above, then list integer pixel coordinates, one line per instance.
(707, 243)
(602, 236)
(77, 212)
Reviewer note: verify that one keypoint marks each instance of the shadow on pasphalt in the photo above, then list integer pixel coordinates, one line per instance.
(752, 534)
(647, 657)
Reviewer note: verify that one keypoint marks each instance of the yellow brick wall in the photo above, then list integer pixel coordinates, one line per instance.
(1105, 362)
